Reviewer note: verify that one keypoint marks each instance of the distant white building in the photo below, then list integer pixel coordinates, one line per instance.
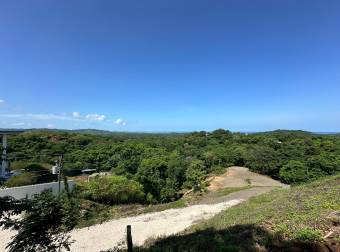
(55, 169)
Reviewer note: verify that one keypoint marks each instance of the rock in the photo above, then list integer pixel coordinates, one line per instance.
(334, 217)
(332, 240)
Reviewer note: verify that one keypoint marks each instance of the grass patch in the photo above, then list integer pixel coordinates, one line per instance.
(229, 190)
(277, 221)
(301, 207)
(95, 213)
(161, 207)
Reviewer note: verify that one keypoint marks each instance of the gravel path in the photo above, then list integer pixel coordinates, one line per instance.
(112, 233)
(213, 197)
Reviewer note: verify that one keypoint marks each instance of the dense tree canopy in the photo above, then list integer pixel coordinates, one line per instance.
(164, 164)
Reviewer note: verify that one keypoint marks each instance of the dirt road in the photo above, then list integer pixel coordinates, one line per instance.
(112, 233)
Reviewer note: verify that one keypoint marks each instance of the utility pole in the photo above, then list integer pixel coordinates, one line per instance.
(4, 165)
(60, 167)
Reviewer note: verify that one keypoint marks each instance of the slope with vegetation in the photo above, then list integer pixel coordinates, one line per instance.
(284, 220)
(165, 164)
(159, 168)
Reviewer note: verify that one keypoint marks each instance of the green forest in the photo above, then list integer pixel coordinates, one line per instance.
(155, 168)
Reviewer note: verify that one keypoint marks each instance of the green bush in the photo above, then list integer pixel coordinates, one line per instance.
(33, 174)
(23, 179)
(27, 166)
(112, 190)
(308, 234)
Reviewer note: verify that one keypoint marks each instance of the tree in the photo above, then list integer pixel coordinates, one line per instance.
(195, 175)
(325, 163)
(222, 135)
(113, 190)
(263, 159)
(294, 172)
(151, 174)
(45, 222)
(169, 192)
(177, 166)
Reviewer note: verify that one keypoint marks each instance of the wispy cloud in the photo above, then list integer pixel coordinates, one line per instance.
(95, 117)
(2, 101)
(26, 120)
(37, 116)
(120, 121)
(21, 124)
(76, 114)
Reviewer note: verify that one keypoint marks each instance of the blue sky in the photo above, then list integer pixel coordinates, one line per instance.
(170, 65)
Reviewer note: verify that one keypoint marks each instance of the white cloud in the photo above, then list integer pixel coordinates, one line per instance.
(120, 121)
(2, 101)
(37, 116)
(95, 117)
(18, 119)
(76, 114)
(51, 126)
(20, 124)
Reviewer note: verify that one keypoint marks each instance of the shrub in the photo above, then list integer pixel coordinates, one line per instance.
(112, 190)
(33, 174)
(23, 179)
(308, 234)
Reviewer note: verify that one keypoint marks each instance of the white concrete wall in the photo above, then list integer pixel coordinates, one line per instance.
(23, 191)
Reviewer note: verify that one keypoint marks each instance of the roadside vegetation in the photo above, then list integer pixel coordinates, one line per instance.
(95, 213)
(44, 222)
(30, 174)
(112, 190)
(282, 220)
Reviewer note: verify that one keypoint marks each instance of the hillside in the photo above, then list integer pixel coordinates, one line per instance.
(166, 165)
(97, 234)
(283, 220)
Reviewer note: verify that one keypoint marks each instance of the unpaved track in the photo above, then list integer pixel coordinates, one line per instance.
(112, 233)
(212, 198)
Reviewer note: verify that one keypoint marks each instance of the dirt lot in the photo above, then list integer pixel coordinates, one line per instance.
(239, 177)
